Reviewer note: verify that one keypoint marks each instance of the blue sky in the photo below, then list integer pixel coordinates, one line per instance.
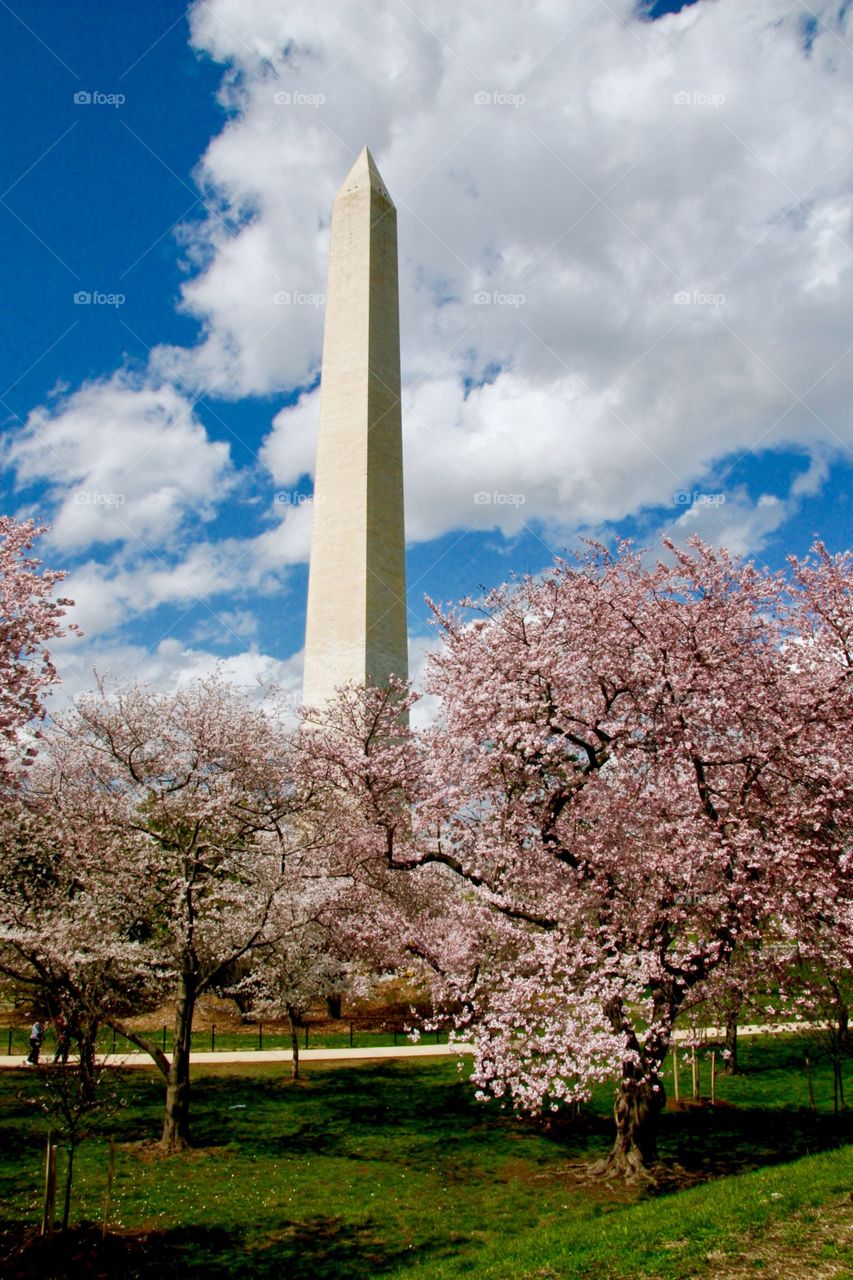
(625, 267)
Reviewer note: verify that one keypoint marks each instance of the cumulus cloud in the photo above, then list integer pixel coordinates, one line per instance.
(172, 664)
(634, 236)
(731, 519)
(116, 591)
(123, 461)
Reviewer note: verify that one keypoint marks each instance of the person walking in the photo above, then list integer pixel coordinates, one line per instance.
(36, 1037)
(63, 1039)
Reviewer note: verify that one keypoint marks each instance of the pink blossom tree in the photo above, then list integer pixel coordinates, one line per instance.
(637, 770)
(69, 914)
(28, 618)
(194, 831)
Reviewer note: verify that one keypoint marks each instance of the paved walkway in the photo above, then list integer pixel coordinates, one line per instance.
(138, 1059)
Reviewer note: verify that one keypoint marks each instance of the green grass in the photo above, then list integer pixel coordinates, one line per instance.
(758, 1219)
(393, 1170)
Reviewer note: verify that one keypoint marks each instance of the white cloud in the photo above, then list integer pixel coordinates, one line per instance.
(616, 166)
(172, 664)
(109, 594)
(124, 462)
(233, 622)
(731, 520)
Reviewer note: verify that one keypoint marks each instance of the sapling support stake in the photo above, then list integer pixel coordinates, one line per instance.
(49, 1188)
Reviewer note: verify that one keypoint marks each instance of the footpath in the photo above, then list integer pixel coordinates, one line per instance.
(138, 1059)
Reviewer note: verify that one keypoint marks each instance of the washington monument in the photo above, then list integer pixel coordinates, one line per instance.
(356, 622)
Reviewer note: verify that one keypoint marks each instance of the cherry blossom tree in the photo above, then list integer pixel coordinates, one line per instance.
(296, 969)
(638, 769)
(28, 618)
(69, 912)
(196, 832)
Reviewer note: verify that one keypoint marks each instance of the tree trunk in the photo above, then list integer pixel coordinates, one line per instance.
(730, 1056)
(176, 1120)
(294, 1041)
(636, 1109)
(87, 1044)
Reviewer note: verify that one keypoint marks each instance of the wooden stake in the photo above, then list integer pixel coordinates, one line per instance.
(695, 1066)
(675, 1072)
(49, 1188)
(713, 1077)
(811, 1083)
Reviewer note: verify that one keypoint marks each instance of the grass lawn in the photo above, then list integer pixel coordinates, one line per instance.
(394, 1170)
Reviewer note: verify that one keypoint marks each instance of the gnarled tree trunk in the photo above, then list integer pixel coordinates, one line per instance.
(636, 1108)
(640, 1094)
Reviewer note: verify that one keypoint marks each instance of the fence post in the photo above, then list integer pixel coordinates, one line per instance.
(260, 1035)
(212, 1039)
(9, 1050)
(164, 1038)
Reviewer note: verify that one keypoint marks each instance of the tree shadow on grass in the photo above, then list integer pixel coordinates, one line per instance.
(722, 1140)
(276, 1118)
(698, 1142)
(313, 1249)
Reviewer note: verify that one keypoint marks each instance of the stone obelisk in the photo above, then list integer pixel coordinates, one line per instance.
(356, 622)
